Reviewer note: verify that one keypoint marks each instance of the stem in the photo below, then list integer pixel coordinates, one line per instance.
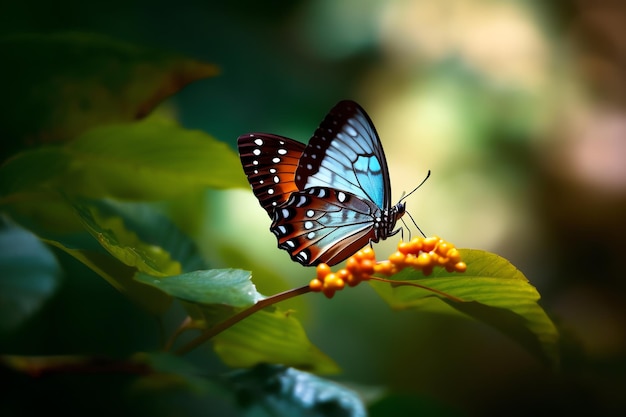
(231, 321)
(415, 284)
(185, 325)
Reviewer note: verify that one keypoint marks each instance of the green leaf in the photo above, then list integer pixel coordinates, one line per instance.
(117, 253)
(170, 372)
(280, 391)
(404, 405)
(217, 286)
(271, 336)
(267, 336)
(124, 244)
(30, 275)
(45, 213)
(208, 296)
(114, 239)
(154, 228)
(148, 160)
(120, 276)
(492, 290)
(62, 84)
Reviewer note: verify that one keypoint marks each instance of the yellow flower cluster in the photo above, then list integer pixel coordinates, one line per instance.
(420, 253)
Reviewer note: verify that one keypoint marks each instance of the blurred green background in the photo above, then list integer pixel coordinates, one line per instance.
(517, 108)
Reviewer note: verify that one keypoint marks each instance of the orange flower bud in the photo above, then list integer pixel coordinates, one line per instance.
(316, 285)
(423, 260)
(397, 257)
(322, 271)
(352, 265)
(416, 245)
(460, 267)
(454, 255)
(336, 283)
(443, 247)
(368, 253)
(367, 266)
(353, 280)
(429, 243)
(405, 247)
(385, 268)
(343, 274)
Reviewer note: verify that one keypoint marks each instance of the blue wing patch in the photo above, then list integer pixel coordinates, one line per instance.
(345, 153)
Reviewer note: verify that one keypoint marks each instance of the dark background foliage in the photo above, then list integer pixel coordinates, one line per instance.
(516, 107)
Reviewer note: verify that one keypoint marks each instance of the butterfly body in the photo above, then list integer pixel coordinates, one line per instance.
(329, 198)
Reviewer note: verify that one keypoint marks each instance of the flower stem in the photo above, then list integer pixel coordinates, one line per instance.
(231, 321)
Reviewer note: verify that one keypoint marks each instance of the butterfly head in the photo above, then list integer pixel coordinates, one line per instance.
(388, 221)
(400, 209)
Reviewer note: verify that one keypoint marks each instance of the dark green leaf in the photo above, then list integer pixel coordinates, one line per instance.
(281, 391)
(171, 372)
(30, 275)
(61, 84)
(404, 405)
(120, 276)
(114, 252)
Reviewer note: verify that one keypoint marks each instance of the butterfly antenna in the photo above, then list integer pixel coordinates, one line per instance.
(415, 224)
(406, 226)
(415, 189)
(409, 214)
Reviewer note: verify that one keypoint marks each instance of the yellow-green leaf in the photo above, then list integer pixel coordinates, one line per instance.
(271, 336)
(492, 290)
(148, 160)
(125, 245)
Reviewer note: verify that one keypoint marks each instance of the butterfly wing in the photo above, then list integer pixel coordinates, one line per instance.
(345, 154)
(327, 199)
(270, 162)
(323, 225)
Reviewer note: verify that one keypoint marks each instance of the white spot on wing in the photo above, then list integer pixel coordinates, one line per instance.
(302, 201)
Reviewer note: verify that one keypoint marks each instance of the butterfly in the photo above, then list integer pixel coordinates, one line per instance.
(329, 198)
